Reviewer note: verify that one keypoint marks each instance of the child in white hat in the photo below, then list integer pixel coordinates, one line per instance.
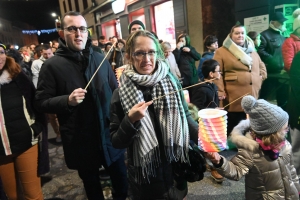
(264, 155)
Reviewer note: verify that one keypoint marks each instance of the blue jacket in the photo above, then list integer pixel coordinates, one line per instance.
(206, 55)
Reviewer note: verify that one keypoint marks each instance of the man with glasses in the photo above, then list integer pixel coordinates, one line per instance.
(83, 114)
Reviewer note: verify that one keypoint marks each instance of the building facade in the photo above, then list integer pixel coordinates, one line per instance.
(11, 33)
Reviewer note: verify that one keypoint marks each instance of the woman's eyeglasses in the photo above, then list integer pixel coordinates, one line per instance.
(74, 29)
(140, 54)
(220, 72)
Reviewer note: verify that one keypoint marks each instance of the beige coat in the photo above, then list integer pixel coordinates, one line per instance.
(237, 79)
(264, 178)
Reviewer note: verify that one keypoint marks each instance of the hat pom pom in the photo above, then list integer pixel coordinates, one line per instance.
(248, 103)
(296, 13)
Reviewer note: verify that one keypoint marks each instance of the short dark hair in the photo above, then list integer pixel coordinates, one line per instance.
(209, 66)
(252, 35)
(102, 37)
(236, 26)
(70, 13)
(209, 40)
(45, 47)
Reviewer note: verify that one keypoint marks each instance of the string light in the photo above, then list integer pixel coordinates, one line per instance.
(38, 32)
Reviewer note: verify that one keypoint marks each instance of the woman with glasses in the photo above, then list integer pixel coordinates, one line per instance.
(156, 132)
(264, 155)
(242, 72)
(21, 126)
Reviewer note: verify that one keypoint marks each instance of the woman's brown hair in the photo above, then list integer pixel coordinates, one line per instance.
(12, 67)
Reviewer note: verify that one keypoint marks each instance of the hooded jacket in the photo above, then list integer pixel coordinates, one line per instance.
(205, 96)
(206, 55)
(186, 65)
(84, 128)
(22, 123)
(290, 48)
(264, 178)
(270, 50)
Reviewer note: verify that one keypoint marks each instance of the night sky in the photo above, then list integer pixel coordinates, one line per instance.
(37, 13)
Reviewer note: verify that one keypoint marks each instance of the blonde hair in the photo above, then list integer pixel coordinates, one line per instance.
(130, 44)
(273, 139)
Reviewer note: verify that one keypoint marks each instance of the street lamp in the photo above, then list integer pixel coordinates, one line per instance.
(53, 14)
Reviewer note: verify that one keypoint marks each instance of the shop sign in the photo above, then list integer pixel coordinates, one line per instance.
(257, 23)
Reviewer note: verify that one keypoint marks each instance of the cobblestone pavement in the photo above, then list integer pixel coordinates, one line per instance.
(64, 184)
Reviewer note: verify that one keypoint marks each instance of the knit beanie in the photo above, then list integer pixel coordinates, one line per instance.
(135, 22)
(265, 118)
(2, 45)
(296, 15)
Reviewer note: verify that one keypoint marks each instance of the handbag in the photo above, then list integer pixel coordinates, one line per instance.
(193, 171)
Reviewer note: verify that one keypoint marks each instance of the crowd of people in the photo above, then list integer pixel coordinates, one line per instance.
(98, 118)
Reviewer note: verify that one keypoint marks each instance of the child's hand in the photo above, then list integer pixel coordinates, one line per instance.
(213, 157)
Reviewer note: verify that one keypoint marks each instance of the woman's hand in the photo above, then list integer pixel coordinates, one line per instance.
(222, 97)
(214, 157)
(179, 45)
(186, 49)
(138, 111)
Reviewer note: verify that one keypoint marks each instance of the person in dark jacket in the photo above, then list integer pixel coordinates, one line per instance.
(294, 111)
(185, 56)
(210, 46)
(21, 126)
(117, 56)
(151, 129)
(83, 114)
(271, 54)
(206, 96)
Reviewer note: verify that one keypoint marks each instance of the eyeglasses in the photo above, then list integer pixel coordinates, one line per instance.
(286, 129)
(140, 54)
(74, 29)
(220, 72)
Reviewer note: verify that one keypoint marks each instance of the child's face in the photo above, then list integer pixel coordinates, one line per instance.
(217, 73)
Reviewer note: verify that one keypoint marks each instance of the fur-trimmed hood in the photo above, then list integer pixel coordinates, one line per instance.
(5, 78)
(241, 137)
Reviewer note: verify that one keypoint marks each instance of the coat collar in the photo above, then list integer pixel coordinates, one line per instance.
(5, 78)
(241, 137)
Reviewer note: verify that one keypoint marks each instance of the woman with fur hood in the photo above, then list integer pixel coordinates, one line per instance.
(264, 155)
(20, 126)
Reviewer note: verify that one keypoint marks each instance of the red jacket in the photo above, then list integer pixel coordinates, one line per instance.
(289, 49)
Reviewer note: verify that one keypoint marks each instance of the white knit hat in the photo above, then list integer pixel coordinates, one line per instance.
(296, 15)
(265, 118)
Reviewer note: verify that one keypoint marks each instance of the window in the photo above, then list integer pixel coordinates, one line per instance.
(65, 7)
(85, 4)
(70, 5)
(76, 6)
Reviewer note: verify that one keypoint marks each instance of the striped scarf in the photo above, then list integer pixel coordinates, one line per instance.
(171, 116)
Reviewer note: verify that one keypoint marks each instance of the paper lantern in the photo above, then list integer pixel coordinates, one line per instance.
(212, 136)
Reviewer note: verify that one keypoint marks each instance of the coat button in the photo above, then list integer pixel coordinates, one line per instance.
(250, 83)
(250, 70)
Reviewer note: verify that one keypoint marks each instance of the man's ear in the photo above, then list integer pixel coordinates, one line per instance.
(211, 74)
(61, 34)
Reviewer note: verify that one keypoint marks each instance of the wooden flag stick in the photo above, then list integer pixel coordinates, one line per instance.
(236, 100)
(183, 89)
(100, 66)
